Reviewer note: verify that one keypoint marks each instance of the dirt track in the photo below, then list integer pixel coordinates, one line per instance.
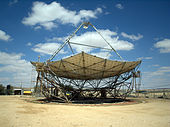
(15, 112)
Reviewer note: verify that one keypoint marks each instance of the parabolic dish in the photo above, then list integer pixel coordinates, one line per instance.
(84, 66)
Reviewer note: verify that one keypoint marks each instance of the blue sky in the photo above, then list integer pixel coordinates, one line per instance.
(137, 29)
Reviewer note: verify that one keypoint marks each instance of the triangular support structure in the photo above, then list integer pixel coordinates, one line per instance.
(85, 25)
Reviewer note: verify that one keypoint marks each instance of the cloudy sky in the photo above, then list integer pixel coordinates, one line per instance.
(136, 29)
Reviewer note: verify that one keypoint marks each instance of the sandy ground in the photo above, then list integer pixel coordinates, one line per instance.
(16, 112)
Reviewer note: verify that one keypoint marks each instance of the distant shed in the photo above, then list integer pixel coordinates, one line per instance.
(18, 91)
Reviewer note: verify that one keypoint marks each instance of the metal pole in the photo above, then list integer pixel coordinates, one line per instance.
(67, 41)
(106, 41)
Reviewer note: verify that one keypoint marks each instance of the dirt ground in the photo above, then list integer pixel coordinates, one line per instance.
(16, 112)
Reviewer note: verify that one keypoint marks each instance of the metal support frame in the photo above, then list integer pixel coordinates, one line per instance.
(68, 90)
(119, 86)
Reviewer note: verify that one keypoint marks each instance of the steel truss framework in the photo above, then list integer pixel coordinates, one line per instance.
(68, 89)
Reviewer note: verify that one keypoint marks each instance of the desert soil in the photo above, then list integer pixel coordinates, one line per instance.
(16, 112)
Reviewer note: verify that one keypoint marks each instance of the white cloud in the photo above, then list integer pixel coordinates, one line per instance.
(29, 44)
(91, 38)
(160, 71)
(156, 65)
(144, 58)
(157, 78)
(48, 15)
(132, 37)
(104, 55)
(4, 36)
(94, 39)
(4, 79)
(48, 25)
(56, 39)
(37, 27)
(47, 48)
(14, 69)
(89, 13)
(164, 46)
(13, 2)
(119, 6)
